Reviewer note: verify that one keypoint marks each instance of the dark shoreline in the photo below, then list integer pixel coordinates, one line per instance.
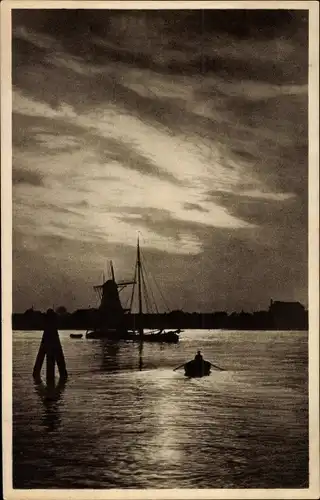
(84, 319)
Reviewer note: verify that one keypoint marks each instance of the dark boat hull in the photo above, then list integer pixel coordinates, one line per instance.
(110, 334)
(116, 335)
(197, 369)
(76, 335)
(167, 337)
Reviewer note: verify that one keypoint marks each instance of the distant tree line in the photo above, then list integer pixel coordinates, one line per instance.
(280, 316)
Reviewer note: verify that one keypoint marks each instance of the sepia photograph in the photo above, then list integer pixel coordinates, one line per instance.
(159, 167)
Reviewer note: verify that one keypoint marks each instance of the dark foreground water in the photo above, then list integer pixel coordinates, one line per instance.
(116, 426)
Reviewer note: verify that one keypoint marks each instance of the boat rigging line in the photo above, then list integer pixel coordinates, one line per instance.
(157, 285)
(146, 290)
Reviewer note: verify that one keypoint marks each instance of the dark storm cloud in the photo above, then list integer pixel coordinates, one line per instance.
(243, 24)
(193, 206)
(232, 84)
(38, 134)
(24, 52)
(255, 264)
(22, 124)
(68, 284)
(241, 117)
(126, 154)
(290, 215)
(107, 148)
(161, 29)
(160, 221)
(164, 224)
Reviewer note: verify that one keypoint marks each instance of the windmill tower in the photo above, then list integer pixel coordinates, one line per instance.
(111, 312)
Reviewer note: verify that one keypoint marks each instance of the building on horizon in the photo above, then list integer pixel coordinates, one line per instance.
(288, 315)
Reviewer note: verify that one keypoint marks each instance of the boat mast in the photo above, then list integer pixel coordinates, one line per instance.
(112, 271)
(139, 288)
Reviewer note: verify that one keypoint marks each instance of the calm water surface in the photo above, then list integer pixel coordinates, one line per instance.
(129, 421)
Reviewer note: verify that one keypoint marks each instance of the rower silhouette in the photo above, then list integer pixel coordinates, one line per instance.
(198, 357)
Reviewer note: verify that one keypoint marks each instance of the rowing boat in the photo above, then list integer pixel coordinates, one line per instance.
(197, 368)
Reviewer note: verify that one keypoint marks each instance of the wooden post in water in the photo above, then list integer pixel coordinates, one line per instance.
(50, 375)
(39, 361)
(51, 348)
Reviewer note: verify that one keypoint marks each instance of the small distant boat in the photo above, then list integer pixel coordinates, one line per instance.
(76, 335)
(196, 368)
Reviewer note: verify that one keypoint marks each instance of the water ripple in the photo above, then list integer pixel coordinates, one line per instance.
(114, 426)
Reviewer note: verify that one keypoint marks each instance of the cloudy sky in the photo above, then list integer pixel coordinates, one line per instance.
(188, 127)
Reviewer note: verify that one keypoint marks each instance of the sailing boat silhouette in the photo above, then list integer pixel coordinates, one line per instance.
(112, 321)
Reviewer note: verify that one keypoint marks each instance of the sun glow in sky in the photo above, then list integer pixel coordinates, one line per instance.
(196, 140)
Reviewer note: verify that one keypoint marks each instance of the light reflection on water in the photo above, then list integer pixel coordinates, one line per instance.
(126, 419)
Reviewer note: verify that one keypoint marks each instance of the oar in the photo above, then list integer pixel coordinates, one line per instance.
(217, 367)
(178, 367)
